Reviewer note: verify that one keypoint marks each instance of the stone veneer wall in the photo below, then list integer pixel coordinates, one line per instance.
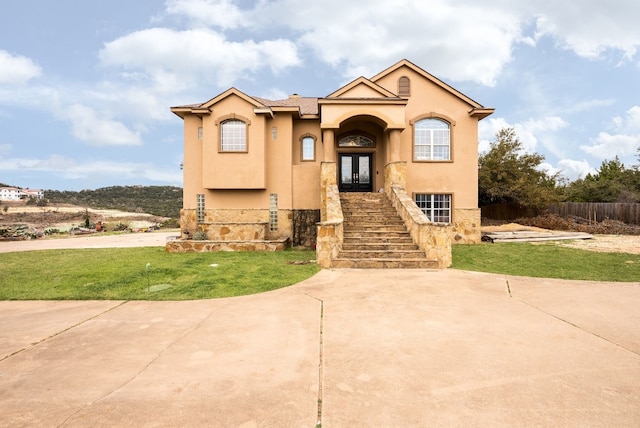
(236, 224)
(466, 226)
(434, 239)
(191, 246)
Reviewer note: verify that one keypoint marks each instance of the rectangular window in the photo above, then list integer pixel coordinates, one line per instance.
(308, 149)
(437, 208)
(200, 208)
(273, 212)
(200, 133)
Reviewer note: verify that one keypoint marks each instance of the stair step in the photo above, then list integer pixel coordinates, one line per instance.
(375, 236)
(423, 263)
(382, 229)
(380, 254)
(379, 246)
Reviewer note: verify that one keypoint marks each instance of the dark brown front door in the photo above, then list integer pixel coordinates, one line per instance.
(355, 172)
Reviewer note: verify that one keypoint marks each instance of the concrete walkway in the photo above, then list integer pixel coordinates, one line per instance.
(357, 348)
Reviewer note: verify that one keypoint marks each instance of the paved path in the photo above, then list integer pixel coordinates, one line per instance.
(148, 239)
(362, 348)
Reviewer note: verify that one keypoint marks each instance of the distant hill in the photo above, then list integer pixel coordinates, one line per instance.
(164, 201)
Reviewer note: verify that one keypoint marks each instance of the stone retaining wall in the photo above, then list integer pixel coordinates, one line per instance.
(193, 246)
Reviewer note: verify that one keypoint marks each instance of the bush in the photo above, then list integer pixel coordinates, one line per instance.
(200, 236)
(171, 223)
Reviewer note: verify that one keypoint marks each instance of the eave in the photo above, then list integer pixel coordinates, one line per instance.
(481, 113)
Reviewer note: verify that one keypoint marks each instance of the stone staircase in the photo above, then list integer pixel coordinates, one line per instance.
(375, 236)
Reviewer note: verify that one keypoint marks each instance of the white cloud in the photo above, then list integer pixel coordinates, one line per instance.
(623, 140)
(90, 169)
(5, 149)
(90, 127)
(591, 27)
(219, 13)
(574, 169)
(530, 132)
(607, 146)
(177, 60)
(17, 69)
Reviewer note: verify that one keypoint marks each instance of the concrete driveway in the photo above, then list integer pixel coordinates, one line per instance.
(348, 348)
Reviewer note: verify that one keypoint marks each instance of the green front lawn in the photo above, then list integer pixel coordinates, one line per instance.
(122, 274)
(546, 261)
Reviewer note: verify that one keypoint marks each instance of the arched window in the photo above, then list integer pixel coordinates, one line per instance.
(432, 140)
(233, 136)
(308, 148)
(404, 86)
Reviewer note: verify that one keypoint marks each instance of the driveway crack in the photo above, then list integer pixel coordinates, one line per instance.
(58, 333)
(142, 370)
(581, 328)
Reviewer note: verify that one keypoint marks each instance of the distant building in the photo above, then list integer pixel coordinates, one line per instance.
(16, 194)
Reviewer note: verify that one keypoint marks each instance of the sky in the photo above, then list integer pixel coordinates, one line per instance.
(86, 86)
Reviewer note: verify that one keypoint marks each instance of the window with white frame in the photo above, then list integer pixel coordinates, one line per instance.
(432, 140)
(308, 148)
(437, 207)
(233, 136)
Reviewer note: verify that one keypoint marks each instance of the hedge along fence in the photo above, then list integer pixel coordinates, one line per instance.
(597, 211)
(594, 211)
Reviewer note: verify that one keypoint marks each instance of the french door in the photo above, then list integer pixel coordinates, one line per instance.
(355, 172)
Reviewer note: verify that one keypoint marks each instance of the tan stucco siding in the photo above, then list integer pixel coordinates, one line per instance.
(279, 158)
(459, 176)
(391, 115)
(306, 182)
(192, 162)
(230, 170)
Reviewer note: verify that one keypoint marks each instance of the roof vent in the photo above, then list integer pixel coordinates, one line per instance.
(294, 96)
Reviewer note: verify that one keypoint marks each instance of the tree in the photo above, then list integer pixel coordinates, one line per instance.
(507, 174)
(613, 182)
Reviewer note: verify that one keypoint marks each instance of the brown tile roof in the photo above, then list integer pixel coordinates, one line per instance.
(307, 105)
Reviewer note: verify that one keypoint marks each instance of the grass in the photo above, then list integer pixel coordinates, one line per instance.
(547, 261)
(122, 274)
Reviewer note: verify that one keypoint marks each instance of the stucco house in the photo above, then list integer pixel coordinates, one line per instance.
(259, 173)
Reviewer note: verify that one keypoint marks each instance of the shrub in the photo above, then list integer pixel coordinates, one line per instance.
(200, 236)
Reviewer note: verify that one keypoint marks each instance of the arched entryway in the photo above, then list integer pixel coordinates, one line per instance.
(360, 147)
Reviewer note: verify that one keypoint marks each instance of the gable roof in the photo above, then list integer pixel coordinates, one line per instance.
(362, 84)
(295, 103)
(405, 63)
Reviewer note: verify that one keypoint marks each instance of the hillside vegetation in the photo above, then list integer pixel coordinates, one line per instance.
(163, 201)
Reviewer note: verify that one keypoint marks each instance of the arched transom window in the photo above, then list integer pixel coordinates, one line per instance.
(432, 140)
(355, 140)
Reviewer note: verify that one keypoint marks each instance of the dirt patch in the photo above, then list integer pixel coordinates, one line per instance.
(606, 244)
(65, 217)
(601, 242)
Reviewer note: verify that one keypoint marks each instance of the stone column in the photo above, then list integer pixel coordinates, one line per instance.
(328, 140)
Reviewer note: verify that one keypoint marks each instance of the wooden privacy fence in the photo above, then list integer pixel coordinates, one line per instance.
(597, 211)
(594, 211)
